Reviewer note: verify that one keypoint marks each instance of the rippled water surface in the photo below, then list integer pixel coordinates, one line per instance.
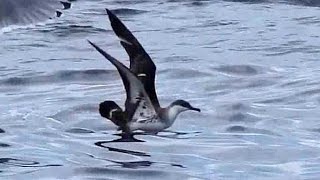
(251, 66)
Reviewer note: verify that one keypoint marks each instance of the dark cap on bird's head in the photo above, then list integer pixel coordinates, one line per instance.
(185, 104)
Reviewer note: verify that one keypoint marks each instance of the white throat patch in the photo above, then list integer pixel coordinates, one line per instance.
(174, 111)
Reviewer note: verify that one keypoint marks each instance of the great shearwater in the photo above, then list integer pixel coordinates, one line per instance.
(142, 108)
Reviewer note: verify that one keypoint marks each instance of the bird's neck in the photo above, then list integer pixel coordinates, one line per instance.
(171, 113)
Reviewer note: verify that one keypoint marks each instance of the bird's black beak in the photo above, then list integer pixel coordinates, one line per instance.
(195, 109)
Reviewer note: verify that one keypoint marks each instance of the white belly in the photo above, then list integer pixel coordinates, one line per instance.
(148, 127)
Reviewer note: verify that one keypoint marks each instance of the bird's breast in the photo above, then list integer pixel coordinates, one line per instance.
(148, 126)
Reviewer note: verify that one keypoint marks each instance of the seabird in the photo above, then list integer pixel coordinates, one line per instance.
(142, 108)
(24, 12)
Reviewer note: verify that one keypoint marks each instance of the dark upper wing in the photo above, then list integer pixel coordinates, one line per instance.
(140, 62)
(137, 98)
(22, 12)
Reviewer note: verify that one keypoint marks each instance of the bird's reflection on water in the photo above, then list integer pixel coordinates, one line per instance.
(133, 164)
(130, 138)
(138, 164)
(124, 137)
(130, 152)
(23, 163)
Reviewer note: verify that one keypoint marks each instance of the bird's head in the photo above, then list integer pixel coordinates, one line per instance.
(182, 105)
(177, 107)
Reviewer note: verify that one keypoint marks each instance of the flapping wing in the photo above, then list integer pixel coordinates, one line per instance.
(140, 62)
(22, 12)
(138, 104)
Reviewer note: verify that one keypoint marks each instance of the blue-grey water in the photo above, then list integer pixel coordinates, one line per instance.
(251, 66)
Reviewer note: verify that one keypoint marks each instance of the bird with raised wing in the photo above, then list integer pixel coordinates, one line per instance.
(142, 108)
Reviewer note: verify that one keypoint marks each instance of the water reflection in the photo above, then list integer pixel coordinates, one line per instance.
(134, 164)
(163, 134)
(124, 137)
(23, 163)
(138, 164)
(176, 134)
(112, 149)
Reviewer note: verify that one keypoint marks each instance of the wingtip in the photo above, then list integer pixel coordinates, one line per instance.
(102, 52)
(95, 46)
(110, 14)
(91, 43)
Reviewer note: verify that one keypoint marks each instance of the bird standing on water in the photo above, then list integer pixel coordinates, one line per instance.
(142, 108)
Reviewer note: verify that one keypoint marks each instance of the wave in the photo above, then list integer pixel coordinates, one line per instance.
(244, 70)
(312, 3)
(127, 11)
(61, 76)
(244, 130)
(24, 12)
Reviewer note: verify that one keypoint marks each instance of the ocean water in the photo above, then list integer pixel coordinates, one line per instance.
(251, 66)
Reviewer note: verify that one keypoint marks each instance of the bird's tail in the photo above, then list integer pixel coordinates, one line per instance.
(111, 111)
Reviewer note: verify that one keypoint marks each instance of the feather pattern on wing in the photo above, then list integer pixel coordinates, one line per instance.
(138, 104)
(140, 62)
